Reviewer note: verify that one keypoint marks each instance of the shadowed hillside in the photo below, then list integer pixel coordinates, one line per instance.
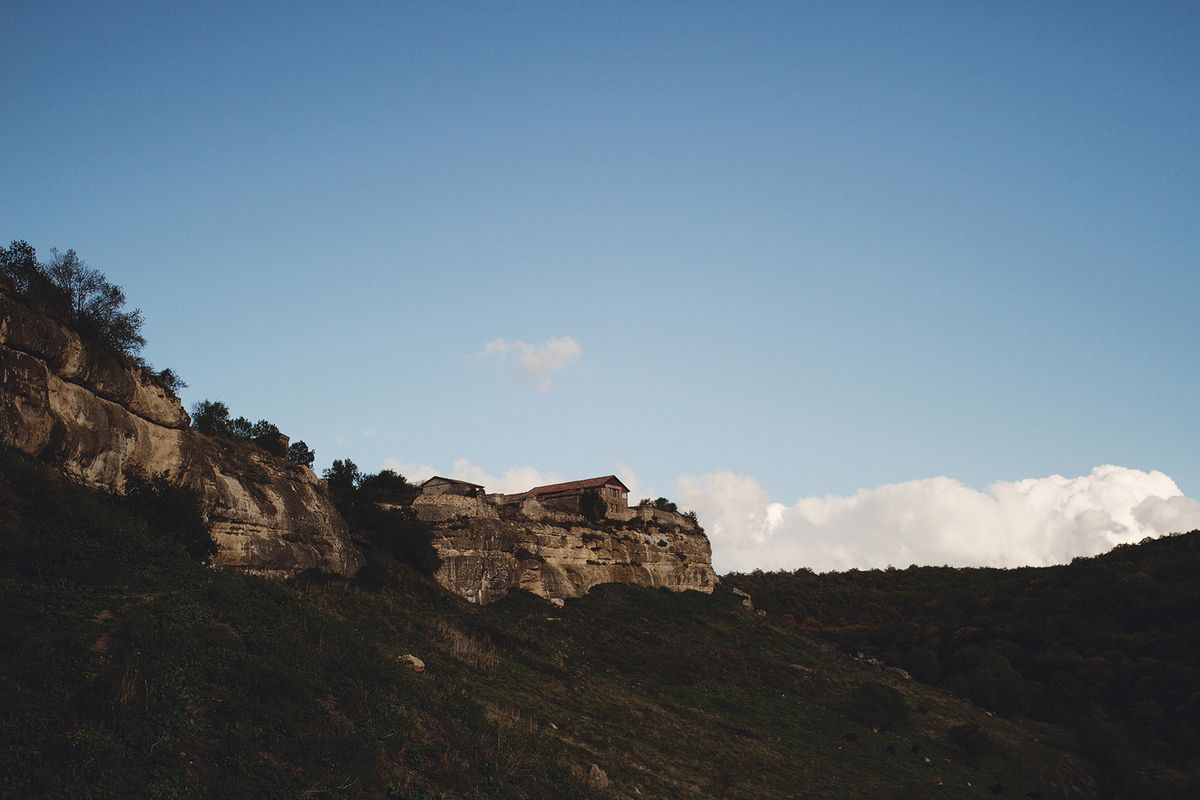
(134, 671)
(1107, 646)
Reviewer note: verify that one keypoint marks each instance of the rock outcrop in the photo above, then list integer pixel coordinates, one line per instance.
(491, 544)
(95, 417)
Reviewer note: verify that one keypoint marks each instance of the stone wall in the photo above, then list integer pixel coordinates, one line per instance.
(435, 507)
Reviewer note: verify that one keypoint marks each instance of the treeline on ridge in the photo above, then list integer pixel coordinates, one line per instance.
(211, 417)
(1108, 646)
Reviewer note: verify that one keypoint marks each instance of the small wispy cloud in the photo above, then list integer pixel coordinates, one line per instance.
(1035, 522)
(536, 362)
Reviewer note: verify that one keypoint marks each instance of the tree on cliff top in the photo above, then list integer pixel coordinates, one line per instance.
(374, 508)
(95, 306)
(211, 417)
(69, 289)
(71, 293)
(593, 507)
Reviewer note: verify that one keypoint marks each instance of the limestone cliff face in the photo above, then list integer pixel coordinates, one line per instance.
(77, 407)
(489, 545)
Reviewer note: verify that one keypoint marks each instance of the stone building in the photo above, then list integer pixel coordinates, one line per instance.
(609, 487)
(439, 485)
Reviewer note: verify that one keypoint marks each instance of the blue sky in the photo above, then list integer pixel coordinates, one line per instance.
(765, 252)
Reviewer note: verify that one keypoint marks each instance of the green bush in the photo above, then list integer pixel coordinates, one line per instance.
(970, 738)
(880, 706)
(211, 417)
(172, 512)
(394, 530)
(593, 507)
(299, 453)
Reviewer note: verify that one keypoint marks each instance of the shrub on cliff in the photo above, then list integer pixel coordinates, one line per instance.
(18, 262)
(663, 504)
(299, 453)
(172, 512)
(211, 417)
(593, 507)
(96, 307)
(394, 530)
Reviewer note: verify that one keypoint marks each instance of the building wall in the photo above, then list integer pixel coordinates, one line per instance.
(447, 488)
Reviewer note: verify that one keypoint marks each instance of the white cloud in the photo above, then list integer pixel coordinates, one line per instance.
(413, 473)
(628, 477)
(1038, 521)
(535, 362)
(515, 480)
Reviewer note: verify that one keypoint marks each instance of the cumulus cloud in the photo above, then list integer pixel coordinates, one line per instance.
(628, 477)
(534, 362)
(413, 473)
(1037, 522)
(514, 481)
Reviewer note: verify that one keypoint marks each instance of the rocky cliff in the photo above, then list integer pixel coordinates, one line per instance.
(491, 544)
(95, 417)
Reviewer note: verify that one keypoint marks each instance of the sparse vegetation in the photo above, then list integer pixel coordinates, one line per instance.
(211, 417)
(378, 510)
(1108, 646)
(132, 670)
(593, 507)
(73, 294)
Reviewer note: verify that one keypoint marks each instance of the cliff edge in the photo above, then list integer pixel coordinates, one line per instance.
(95, 417)
(492, 543)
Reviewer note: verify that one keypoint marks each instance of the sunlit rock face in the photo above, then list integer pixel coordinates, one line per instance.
(95, 418)
(491, 544)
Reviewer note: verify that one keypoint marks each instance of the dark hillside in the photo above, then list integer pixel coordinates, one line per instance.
(1108, 646)
(132, 670)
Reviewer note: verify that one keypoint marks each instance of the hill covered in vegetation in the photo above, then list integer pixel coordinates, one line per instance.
(133, 670)
(1107, 646)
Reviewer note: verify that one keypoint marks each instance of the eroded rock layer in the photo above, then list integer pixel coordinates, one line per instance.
(96, 418)
(489, 545)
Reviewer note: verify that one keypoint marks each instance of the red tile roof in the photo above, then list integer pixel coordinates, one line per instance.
(572, 487)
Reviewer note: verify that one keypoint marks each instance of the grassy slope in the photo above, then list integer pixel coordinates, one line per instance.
(132, 671)
(681, 695)
(1108, 646)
